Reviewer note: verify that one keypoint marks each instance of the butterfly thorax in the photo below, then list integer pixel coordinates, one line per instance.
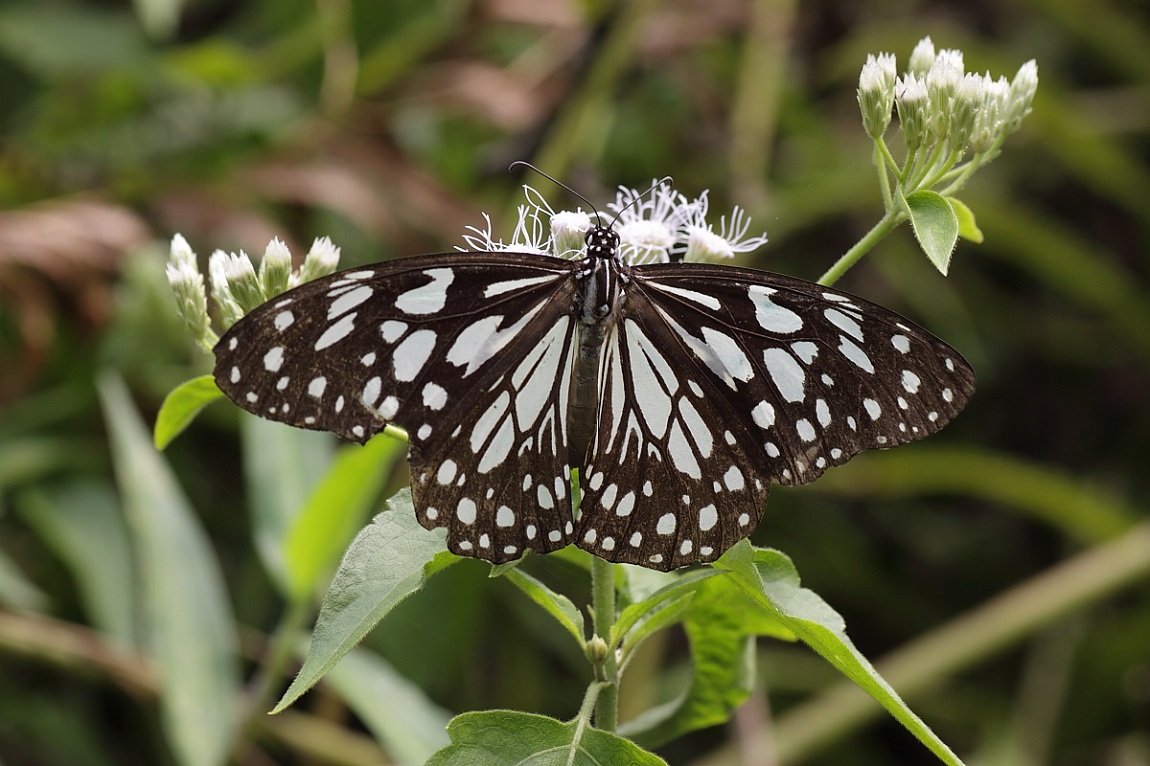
(600, 276)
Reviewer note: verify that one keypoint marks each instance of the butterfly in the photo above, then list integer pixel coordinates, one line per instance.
(680, 391)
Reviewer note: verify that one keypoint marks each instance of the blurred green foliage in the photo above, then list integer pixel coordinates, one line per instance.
(389, 126)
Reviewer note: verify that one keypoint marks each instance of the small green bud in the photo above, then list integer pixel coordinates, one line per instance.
(596, 650)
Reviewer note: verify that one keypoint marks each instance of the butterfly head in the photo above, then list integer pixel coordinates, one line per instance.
(602, 242)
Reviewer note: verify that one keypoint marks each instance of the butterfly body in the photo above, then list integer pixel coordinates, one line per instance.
(680, 391)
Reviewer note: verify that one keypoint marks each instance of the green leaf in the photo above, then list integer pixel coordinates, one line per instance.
(555, 604)
(181, 406)
(664, 615)
(721, 624)
(81, 521)
(935, 226)
(506, 737)
(387, 562)
(771, 580)
(336, 509)
(190, 625)
(397, 712)
(680, 587)
(967, 225)
(282, 467)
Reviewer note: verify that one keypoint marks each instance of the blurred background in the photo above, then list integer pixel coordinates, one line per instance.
(389, 126)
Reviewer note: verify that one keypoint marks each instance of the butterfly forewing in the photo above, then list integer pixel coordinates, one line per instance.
(716, 381)
(470, 353)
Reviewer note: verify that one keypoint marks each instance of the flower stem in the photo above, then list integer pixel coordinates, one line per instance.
(603, 611)
(885, 225)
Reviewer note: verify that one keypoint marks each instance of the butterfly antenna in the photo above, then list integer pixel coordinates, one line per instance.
(654, 185)
(560, 184)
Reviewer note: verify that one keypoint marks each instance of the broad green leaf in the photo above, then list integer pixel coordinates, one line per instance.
(555, 604)
(181, 406)
(506, 737)
(282, 467)
(336, 509)
(408, 725)
(387, 562)
(191, 630)
(935, 226)
(721, 625)
(770, 579)
(967, 225)
(81, 521)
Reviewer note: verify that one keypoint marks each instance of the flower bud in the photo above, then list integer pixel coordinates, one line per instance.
(942, 83)
(275, 269)
(913, 104)
(235, 287)
(569, 232)
(876, 93)
(1022, 90)
(921, 58)
(187, 285)
(964, 115)
(988, 122)
(321, 260)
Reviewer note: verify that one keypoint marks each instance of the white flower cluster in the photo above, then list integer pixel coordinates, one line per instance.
(655, 225)
(236, 287)
(940, 105)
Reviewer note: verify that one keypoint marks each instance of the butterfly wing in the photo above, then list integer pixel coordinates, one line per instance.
(469, 354)
(718, 380)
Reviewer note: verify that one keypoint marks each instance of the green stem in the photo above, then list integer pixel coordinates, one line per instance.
(584, 718)
(885, 225)
(915, 180)
(603, 611)
(881, 157)
(960, 177)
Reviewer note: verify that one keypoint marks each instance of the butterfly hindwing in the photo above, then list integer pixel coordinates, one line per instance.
(468, 353)
(665, 468)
